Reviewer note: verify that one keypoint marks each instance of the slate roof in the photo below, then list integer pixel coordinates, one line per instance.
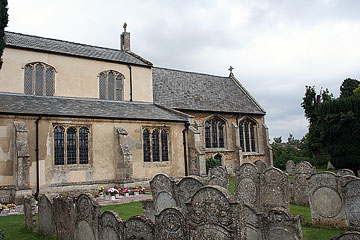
(18, 40)
(202, 92)
(20, 104)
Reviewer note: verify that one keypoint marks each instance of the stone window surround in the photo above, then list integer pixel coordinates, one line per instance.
(160, 163)
(225, 128)
(256, 133)
(46, 67)
(116, 74)
(77, 127)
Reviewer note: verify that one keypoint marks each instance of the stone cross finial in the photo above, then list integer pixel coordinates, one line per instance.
(125, 25)
(230, 69)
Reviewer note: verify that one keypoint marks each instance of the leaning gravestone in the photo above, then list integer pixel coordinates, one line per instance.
(274, 189)
(344, 172)
(162, 187)
(46, 218)
(111, 226)
(186, 188)
(290, 167)
(348, 236)
(171, 224)
(212, 214)
(261, 166)
(139, 227)
(281, 225)
(303, 171)
(253, 225)
(247, 185)
(325, 198)
(351, 192)
(30, 213)
(218, 176)
(87, 214)
(64, 217)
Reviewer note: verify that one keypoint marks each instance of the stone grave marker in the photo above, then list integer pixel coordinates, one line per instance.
(303, 171)
(171, 224)
(218, 176)
(247, 185)
(87, 213)
(64, 217)
(261, 166)
(111, 226)
(46, 218)
(139, 227)
(253, 226)
(351, 193)
(164, 200)
(162, 187)
(30, 213)
(344, 172)
(348, 236)
(149, 209)
(186, 188)
(290, 167)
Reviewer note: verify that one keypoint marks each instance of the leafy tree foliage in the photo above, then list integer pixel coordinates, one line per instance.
(348, 86)
(357, 90)
(3, 23)
(211, 163)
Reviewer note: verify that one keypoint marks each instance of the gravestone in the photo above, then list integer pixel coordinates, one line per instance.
(274, 189)
(186, 188)
(253, 226)
(303, 171)
(344, 172)
(139, 227)
(111, 226)
(87, 214)
(348, 236)
(279, 224)
(290, 167)
(212, 214)
(247, 185)
(351, 193)
(30, 213)
(325, 198)
(218, 176)
(162, 187)
(46, 218)
(149, 209)
(171, 224)
(64, 217)
(261, 166)
(164, 200)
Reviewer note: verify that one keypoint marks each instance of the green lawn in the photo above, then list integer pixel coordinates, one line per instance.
(126, 210)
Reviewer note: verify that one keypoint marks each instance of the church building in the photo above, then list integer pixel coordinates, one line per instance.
(75, 116)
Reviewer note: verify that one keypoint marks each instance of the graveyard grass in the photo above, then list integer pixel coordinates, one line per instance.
(14, 228)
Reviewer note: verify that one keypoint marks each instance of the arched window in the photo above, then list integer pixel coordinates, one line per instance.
(214, 133)
(39, 79)
(247, 130)
(111, 85)
(146, 145)
(83, 146)
(71, 146)
(155, 146)
(59, 146)
(164, 146)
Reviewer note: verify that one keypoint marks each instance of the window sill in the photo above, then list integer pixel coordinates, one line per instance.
(218, 150)
(74, 167)
(252, 154)
(156, 164)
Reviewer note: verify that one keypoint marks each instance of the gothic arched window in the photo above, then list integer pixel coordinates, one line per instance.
(39, 79)
(156, 144)
(146, 145)
(111, 85)
(59, 145)
(247, 130)
(214, 133)
(164, 146)
(83, 145)
(71, 146)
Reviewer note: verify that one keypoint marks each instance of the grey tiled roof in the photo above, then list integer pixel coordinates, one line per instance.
(21, 104)
(195, 91)
(73, 49)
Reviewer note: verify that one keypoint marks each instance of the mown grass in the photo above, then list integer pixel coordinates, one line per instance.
(125, 210)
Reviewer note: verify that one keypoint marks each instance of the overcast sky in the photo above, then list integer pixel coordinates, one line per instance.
(276, 47)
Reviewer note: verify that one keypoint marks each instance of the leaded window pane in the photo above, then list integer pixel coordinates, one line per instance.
(83, 146)
(207, 135)
(241, 131)
(119, 88)
(111, 86)
(39, 80)
(214, 133)
(102, 86)
(221, 135)
(164, 146)
(247, 140)
(28, 80)
(155, 146)
(49, 80)
(59, 146)
(146, 145)
(71, 146)
(252, 133)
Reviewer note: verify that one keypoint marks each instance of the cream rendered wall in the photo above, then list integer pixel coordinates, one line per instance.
(74, 77)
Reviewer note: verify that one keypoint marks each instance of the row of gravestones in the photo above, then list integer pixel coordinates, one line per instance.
(212, 213)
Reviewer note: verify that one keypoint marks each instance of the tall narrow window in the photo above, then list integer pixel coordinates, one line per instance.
(207, 135)
(221, 135)
(39, 79)
(83, 146)
(247, 130)
(215, 133)
(146, 145)
(252, 135)
(164, 146)
(71, 146)
(111, 85)
(59, 146)
(241, 130)
(155, 146)
(247, 140)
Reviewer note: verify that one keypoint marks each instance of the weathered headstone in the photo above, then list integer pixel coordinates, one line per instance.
(325, 198)
(348, 236)
(274, 189)
(164, 200)
(30, 213)
(111, 226)
(345, 172)
(281, 225)
(351, 193)
(261, 166)
(64, 217)
(46, 218)
(218, 176)
(253, 227)
(162, 187)
(303, 171)
(87, 213)
(149, 209)
(139, 227)
(186, 188)
(247, 185)
(229, 170)
(290, 167)
(171, 224)
(212, 214)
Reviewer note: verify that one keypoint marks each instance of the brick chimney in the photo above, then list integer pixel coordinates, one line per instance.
(125, 40)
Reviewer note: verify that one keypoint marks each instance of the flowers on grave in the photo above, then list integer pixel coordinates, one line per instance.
(140, 189)
(112, 191)
(101, 190)
(125, 190)
(11, 206)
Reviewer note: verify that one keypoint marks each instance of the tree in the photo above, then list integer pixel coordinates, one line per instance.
(3, 23)
(357, 90)
(348, 86)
